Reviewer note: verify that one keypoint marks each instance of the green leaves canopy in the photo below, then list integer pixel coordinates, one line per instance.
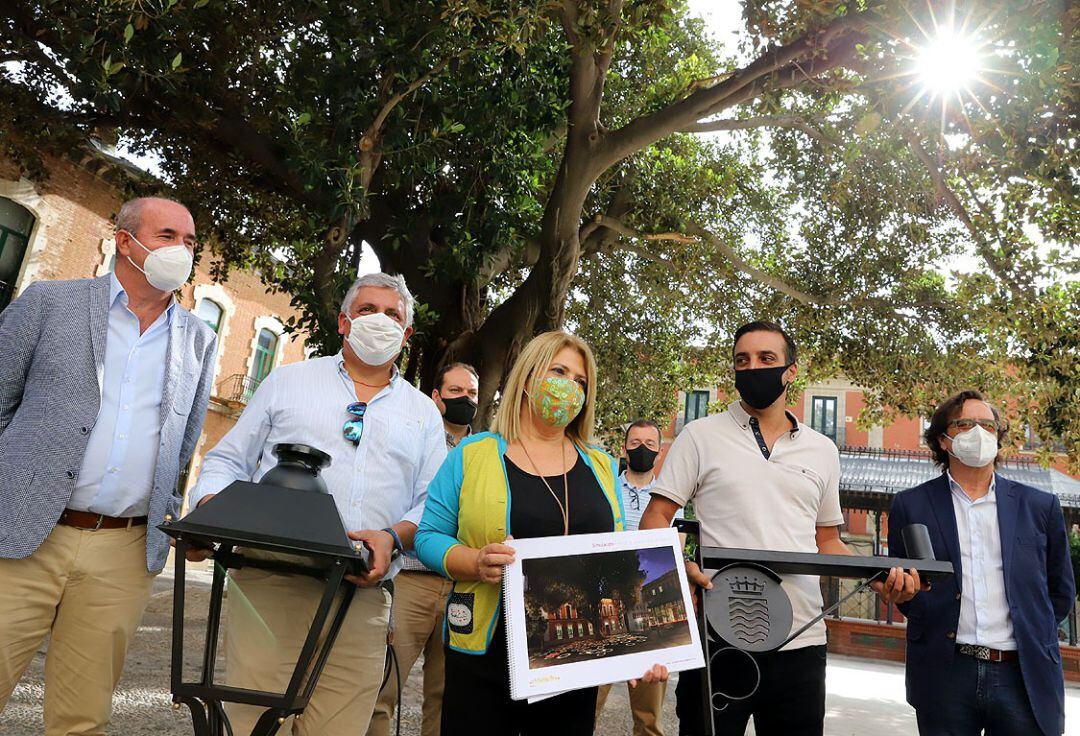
(527, 165)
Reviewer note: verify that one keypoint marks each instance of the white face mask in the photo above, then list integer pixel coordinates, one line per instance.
(975, 447)
(375, 338)
(166, 269)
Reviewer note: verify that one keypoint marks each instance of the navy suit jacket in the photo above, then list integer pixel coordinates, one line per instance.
(1039, 586)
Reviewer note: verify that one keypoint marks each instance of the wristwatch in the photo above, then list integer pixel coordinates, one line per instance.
(399, 548)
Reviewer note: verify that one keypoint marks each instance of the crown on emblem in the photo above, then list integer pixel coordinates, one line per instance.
(746, 585)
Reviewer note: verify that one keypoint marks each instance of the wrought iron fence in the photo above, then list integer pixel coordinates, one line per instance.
(237, 388)
(867, 606)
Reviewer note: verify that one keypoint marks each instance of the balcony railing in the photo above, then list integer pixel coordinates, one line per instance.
(237, 389)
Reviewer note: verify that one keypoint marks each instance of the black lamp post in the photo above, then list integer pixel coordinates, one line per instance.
(288, 511)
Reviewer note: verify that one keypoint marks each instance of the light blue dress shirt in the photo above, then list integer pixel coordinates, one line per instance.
(376, 483)
(635, 500)
(984, 607)
(117, 472)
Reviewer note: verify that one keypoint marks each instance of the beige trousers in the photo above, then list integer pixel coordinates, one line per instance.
(419, 608)
(268, 618)
(646, 706)
(89, 588)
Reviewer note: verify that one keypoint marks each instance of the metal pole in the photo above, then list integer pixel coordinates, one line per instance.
(877, 552)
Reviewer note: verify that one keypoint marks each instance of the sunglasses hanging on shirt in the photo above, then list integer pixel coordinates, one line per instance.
(354, 428)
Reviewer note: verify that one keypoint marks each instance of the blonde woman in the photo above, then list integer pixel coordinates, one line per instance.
(535, 475)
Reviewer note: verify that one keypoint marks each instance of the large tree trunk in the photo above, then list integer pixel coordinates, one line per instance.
(539, 304)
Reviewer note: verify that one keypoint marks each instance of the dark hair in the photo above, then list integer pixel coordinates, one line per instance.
(945, 413)
(643, 423)
(440, 377)
(763, 326)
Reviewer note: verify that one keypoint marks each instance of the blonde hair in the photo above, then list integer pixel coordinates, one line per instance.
(525, 376)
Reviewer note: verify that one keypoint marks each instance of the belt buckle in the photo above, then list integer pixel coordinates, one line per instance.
(975, 651)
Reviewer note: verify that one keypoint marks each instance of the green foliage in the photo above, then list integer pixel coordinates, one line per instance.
(913, 248)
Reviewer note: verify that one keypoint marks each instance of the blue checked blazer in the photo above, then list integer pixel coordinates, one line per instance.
(52, 352)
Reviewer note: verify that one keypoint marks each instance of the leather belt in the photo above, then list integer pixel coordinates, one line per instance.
(92, 522)
(986, 654)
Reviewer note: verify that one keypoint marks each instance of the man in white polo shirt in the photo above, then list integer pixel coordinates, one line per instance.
(761, 480)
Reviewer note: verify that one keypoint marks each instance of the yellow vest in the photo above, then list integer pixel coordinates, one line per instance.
(484, 518)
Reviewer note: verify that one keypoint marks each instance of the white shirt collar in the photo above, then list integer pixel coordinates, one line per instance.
(958, 490)
(117, 291)
(742, 417)
(340, 362)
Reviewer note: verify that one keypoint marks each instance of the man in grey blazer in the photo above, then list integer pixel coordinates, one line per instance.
(104, 385)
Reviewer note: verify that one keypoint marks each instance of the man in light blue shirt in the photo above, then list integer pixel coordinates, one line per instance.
(641, 446)
(104, 385)
(386, 441)
(121, 453)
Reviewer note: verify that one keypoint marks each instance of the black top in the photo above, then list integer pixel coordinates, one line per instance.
(535, 513)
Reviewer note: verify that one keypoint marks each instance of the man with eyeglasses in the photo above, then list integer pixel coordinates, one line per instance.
(104, 385)
(982, 645)
(386, 441)
(642, 444)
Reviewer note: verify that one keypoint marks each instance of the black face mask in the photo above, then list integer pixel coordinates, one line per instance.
(459, 410)
(761, 387)
(641, 459)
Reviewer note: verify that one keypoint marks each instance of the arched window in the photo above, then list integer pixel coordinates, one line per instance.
(16, 224)
(265, 350)
(211, 312)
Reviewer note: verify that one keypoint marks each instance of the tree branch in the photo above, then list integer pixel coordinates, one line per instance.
(764, 277)
(804, 297)
(339, 232)
(985, 249)
(372, 131)
(778, 68)
(588, 72)
(621, 228)
(504, 259)
(766, 121)
(554, 138)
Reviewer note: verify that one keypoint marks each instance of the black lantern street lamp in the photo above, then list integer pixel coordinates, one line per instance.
(288, 511)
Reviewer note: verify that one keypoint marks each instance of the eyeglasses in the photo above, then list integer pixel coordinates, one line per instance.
(990, 425)
(354, 428)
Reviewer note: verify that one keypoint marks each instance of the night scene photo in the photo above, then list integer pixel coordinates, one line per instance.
(602, 604)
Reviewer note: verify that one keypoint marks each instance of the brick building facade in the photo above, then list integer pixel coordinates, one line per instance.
(62, 229)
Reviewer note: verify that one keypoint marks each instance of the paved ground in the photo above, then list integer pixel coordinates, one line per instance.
(865, 698)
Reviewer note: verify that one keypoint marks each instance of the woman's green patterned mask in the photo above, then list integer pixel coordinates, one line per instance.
(558, 400)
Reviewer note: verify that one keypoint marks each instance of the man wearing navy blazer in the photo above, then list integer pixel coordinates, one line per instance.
(982, 646)
(104, 385)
